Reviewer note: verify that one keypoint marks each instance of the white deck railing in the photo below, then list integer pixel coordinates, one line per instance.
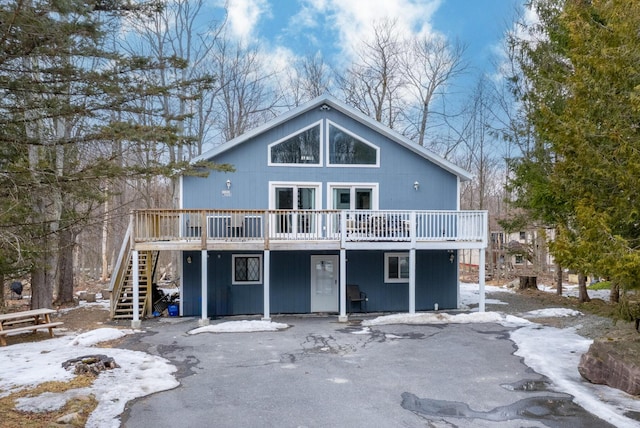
(309, 225)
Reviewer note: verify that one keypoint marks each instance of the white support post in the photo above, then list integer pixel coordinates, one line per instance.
(203, 281)
(267, 285)
(135, 271)
(481, 305)
(412, 281)
(343, 286)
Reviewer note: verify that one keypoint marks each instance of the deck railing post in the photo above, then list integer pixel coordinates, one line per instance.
(266, 230)
(413, 229)
(343, 228)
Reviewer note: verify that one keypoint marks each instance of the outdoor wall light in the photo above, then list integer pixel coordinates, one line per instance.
(189, 259)
(452, 256)
(416, 185)
(228, 184)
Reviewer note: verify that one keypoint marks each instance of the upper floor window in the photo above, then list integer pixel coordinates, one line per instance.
(346, 149)
(301, 148)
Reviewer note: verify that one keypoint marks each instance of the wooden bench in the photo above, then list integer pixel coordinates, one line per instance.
(24, 321)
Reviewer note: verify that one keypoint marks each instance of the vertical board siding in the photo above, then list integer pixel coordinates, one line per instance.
(436, 281)
(291, 284)
(399, 169)
(190, 299)
(366, 269)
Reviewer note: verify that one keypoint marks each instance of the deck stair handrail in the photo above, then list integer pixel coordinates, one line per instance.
(121, 285)
(120, 269)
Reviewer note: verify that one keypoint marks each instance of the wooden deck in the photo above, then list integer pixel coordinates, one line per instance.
(190, 230)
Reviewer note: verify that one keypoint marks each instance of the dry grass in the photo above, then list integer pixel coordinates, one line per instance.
(14, 418)
(78, 320)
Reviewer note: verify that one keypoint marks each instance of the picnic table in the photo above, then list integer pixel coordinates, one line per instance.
(33, 320)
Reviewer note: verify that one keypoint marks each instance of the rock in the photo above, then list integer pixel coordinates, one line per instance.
(73, 419)
(613, 362)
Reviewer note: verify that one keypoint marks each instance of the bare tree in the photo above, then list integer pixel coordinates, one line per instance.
(430, 64)
(479, 155)
(179, 37)
(308, 79)
(373, 83)
(248, 95)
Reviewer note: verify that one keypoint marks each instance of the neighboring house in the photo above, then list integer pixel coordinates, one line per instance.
(523, 250)
(322, 197)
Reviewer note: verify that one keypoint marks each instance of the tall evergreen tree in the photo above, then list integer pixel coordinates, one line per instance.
(63, 95)
(582, 64)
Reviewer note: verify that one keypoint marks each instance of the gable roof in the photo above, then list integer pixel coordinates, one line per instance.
(352, 113)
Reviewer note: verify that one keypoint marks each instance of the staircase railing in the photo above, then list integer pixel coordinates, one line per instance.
(120, 269)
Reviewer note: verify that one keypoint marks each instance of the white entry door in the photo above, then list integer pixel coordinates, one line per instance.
(324, 283)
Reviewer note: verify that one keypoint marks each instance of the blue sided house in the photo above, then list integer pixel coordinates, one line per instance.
(327, 211)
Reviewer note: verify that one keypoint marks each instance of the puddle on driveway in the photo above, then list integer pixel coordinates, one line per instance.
(554, 412)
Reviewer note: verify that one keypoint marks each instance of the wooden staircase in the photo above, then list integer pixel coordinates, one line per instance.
(122, 307)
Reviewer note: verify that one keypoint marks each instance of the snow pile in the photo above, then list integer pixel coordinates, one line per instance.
(243, 326)
(552, 312)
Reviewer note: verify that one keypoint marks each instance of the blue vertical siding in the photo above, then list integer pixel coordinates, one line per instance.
(366, 269)
(224, 298)
(290, 282)
(290, 287)
(436, 281)
(399, 169)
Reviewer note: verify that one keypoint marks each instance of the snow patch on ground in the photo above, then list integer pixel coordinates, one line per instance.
(239, 327)
(552, 312)
(27, 365)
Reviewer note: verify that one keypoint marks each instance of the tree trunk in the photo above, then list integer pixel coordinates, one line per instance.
(42, 280)
(583, 296)
(104, 275)
(1, 292)
(614, 296)
(528, 282)
(558, 279)
(65, 267)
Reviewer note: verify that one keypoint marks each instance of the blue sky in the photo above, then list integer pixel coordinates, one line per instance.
(290, 28)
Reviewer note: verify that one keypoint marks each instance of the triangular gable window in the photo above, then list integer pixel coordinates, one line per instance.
(301, 148)
(346, 149)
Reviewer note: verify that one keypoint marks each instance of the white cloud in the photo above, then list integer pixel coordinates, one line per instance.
(244, 15)
(352, 21)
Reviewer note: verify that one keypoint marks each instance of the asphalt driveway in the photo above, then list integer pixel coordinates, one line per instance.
(321, 373)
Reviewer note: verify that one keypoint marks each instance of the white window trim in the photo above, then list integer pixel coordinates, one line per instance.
(299, 131)
(233, 269)
(387, 256)
(295, 184)
(353, 186)
(358, 137)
